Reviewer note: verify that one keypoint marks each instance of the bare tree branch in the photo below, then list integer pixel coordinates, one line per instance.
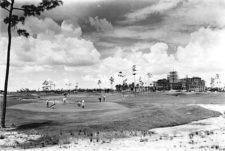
(18, 8)
(6, 9)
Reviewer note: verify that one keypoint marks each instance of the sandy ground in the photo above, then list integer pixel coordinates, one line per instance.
(203, 135)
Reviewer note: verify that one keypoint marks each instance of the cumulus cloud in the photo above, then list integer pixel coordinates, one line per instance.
(68, 28)
(101, 25)
(62, 49)
(32, 24)
(203, 56)
(204, 53)
(66, 47)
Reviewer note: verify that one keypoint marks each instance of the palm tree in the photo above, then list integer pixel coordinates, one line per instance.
(149, 76)
(76, 86)
(111, 81)
(122, 76)
(141, 83)
(134, 73)
(99, 83)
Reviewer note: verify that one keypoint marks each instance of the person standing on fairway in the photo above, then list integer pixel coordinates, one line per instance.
(64, 100)
(47, 104)
(82, 104)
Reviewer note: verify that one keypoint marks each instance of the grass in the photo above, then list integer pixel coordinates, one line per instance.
(139, 113)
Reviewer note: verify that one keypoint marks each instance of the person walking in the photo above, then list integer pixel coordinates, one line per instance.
(82, 104)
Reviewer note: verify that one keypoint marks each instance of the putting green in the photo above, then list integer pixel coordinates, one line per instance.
(68, 107)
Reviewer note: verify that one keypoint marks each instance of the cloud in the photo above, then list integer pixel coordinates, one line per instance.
(68, 28)
(204, 53)
(200, 13)
(64, 47)
(101, 25)
(160, 7)
(32, 24)
(177, 23)
(203, 56)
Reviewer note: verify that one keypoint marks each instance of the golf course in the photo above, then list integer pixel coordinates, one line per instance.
(140, 112)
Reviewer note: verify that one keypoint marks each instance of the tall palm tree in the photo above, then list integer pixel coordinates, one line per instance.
(111, 81)
(134, 73)
(141, 83)
(76, 86)
(99, 84)
(149, 76)
(122, 76)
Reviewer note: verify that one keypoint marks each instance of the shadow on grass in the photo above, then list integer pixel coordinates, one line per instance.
(35, 125)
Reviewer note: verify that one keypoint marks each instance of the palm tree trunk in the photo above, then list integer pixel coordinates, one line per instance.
(7, 69)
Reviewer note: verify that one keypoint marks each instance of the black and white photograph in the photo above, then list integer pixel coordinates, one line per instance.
(112, 75)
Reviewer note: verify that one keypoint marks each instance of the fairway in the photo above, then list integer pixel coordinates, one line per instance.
(140, 112)
(119, 113)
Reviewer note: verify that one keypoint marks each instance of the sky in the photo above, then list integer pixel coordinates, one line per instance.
(84, 41)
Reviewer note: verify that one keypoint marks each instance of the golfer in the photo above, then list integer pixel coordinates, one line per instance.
(82, 104)
(79, 103)
(64, 100)
(47, 103)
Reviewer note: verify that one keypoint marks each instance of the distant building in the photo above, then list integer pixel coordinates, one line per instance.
(162, 84)
(196, 84)
(174, 83)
